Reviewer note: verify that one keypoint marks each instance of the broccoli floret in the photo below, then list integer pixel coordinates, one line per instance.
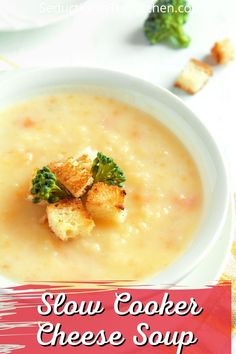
(166, 21)
(104, 169)
(45, 186)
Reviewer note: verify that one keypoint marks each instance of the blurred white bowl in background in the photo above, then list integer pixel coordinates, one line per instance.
(17, 15)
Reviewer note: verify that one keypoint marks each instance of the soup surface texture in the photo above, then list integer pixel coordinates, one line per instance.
(164, 194)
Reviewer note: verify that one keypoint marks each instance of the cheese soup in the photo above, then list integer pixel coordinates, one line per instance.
(164, 193)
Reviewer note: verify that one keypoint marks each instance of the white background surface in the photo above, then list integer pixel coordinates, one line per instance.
(108, 34)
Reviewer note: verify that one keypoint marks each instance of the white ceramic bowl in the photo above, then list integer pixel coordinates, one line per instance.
(168, 109)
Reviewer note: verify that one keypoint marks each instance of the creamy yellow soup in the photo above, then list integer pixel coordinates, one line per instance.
(164, 194)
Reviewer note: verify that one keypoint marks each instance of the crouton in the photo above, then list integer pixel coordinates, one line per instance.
(223, 51)
(69, 219)
(106, 202)
(194, 76)
(74, 174)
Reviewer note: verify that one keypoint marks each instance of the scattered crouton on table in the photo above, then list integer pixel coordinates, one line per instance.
(106, 202)
(194, 76)
(69, 219)
(223, 51)
(74, 174)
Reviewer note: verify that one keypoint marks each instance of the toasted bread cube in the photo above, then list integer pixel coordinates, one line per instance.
(74, 174)
(194, 76)
(106, 202)
(223, 51)
(69, 219)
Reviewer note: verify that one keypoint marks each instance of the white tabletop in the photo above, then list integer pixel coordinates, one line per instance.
(108, 34)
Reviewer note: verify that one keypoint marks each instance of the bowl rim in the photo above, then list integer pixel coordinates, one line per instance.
(164, 96)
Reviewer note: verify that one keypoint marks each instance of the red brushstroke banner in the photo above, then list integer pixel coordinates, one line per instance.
(109, 319)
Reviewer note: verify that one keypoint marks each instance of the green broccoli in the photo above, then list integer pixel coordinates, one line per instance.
(45, 186)
(104, 169)
(166, 21)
